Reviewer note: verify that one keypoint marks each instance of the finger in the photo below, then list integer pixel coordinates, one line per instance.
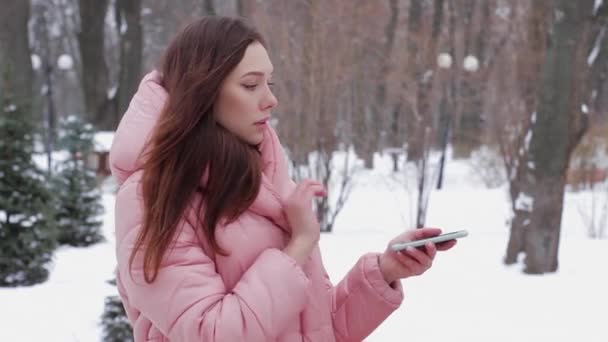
(422, 258)
(411, 267)
(423, 233)
(407, 262)
(430, 250)
(444, 246)
(306, 184)
(313, 190)
(303, 184)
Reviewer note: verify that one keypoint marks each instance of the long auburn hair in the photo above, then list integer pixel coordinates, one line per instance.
(189, 152)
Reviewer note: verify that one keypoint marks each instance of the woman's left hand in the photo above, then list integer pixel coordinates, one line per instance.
(411, 261)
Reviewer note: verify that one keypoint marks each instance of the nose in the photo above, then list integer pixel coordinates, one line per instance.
(269, 101)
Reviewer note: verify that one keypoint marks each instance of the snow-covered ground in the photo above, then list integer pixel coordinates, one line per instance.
(468, 295)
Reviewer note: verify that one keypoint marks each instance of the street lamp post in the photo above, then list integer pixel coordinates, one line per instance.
(444, 61)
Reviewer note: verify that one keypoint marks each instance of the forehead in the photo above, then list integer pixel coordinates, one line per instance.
(255, 59)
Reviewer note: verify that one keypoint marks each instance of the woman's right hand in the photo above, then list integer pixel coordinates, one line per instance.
(305, 230)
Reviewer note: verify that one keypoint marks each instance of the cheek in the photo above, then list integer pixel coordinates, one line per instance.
(239, 103)
(236, 113)
(244, 103)
(227, 109)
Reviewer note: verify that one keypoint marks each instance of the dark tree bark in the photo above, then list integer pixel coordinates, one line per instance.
(128, 16)
(413, 45)
(95, 80)
(556, 129)
(15, 62)
(469, 134)
(209, 7)
(392, 116)
(422, 57)
(528, 70)
(598, 58)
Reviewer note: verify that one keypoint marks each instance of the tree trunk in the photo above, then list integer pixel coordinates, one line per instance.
(95, 79)
(468, 134)
(445, 124)
(413, 45)
(396, 134)
(555, 131)
(247, 8)
(598, 58)
(528, 71)
(15, 53)
(209, 8)
(131, 44)
(379, 107)
(423, 118)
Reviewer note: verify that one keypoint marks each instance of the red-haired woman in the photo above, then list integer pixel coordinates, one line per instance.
(214, 242)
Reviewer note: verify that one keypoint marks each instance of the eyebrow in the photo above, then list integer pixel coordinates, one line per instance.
(257, 73)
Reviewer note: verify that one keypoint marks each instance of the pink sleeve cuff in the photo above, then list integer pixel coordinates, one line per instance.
(375, 279)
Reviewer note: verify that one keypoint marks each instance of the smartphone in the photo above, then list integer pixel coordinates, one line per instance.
(436, 239)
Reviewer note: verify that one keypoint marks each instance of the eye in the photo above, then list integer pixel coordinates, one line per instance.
(271, 84)
(250, 86)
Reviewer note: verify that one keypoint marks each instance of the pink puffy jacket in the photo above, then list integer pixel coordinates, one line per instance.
(258, 293)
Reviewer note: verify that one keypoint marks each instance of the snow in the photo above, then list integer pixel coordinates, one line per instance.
(55, 29)
(123, 27)
(470, 63)
(527, 139)
(10, 108)
(597, 5)
(503, 12)
(444, 60)
(531, 165)
(36, 62)
(596, 47)
(468, 294)
(112, 92)
(524, 202)
(40, 159)
(68, 306)
(65, 62)
(585, 108)
(559, 15)
(103, 140)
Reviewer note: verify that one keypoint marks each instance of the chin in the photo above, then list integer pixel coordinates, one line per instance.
(255, 139)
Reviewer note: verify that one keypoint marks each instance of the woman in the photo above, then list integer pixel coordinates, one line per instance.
(214, 242)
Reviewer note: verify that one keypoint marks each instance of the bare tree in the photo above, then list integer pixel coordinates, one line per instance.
(47, 57)
(95, 79)
(556, 128)
(468, 120)
(414, 46)
(514, 141)
(324, 84)
(209, 7)
(424, 180)
(598, 60)
(130, 33)
(313, 68)
(15, 51)
(381, 105)
(422, 128)
(240, 8)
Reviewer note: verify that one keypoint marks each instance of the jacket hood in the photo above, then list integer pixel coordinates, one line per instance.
(137, 124)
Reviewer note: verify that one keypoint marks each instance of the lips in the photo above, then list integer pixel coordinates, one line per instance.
(263, 121)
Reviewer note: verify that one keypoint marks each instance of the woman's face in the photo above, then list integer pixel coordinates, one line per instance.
(245, 99)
